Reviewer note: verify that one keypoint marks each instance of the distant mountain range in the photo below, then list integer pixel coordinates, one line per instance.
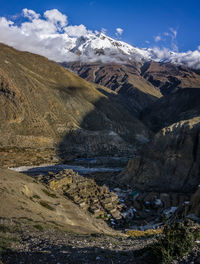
(97, 47)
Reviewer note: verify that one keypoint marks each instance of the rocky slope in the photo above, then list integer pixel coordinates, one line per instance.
(168, 77)
(138, 84)
(171, 161)
(45, 106)
(125, 79)
(23, 198)
(148, 77)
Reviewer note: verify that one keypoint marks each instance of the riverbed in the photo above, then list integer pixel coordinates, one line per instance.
(82, 170)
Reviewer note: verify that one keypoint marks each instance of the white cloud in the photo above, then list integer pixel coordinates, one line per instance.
(43, 36)
(5, 23)
(170, 35)
(30, 14)
(157, 38)
(39, 27)
(56, 17)
(119, 31)
(174, 32)
(190, 58)
(76, 31)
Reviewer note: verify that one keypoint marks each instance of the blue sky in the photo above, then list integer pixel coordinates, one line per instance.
(141, 20)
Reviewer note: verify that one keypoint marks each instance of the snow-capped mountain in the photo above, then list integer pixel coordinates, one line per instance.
(93, 47)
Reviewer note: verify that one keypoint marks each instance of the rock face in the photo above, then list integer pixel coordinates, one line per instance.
(86, 193)
(169, 78)
(44, 106)
(171, 162)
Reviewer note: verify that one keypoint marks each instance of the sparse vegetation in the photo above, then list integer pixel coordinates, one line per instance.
(178, 240)
(5, 229)
(46, 205)
(52, 195)
(38, 227)
(6, 243)
(35, 196)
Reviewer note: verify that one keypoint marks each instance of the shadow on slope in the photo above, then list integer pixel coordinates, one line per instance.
(170, 109)
(108, 130)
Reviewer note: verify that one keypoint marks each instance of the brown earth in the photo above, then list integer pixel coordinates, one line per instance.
(22, 197)
(44, 106)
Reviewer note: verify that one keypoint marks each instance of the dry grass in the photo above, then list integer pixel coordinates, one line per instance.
(149, 232)
(43, 208)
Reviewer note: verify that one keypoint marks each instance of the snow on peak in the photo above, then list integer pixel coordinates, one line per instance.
(94, 47)
(99, 47)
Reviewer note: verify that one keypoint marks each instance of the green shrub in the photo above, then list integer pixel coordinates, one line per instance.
(52, 195)
(35, 196)
(4, 246)
(38, 227)
(46, 205)
(4, 229)
(178, 240)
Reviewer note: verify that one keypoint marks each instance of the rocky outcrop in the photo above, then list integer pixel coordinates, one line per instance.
(170, 162)
(85, 192)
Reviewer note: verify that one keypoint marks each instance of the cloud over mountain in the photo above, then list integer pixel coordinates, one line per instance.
(51, 36)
